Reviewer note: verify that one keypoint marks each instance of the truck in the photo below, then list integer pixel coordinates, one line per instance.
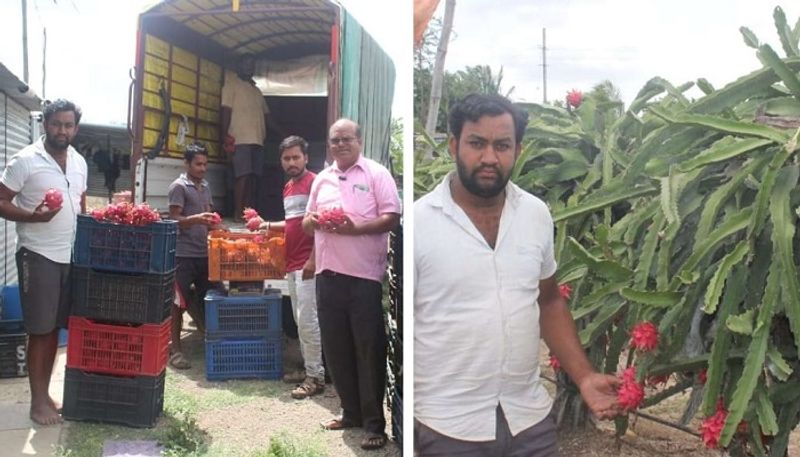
(314, 64)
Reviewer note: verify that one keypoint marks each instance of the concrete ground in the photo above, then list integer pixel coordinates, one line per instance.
(18, 434)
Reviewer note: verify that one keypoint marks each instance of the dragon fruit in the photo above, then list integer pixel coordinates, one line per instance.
(53, 198)
(332, 216)
(249, 213)
(216, 219)
(254, 223)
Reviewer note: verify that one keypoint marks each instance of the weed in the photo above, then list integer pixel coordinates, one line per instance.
(182, 436)
(285, 445)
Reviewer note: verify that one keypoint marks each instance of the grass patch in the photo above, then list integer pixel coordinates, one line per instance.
(285, 445)
(218, 395)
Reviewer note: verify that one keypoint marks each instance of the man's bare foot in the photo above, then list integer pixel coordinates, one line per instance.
(54, 404)
(45, 415)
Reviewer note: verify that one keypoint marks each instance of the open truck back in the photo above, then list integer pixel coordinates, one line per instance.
(315, 63)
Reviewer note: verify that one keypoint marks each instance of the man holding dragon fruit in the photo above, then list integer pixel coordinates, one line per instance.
(43, 189)
(484, 293)
(352, 207)
(190, 204)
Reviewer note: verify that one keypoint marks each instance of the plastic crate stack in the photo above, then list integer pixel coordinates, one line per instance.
(395, 327)
(123, 288)
(13, 339)
(244, 336)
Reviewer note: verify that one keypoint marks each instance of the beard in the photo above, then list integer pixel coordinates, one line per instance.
(56, 143)
(294, 172)
(473, 186)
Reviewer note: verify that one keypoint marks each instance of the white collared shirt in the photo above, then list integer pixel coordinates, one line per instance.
(476, 315)
(30, 173)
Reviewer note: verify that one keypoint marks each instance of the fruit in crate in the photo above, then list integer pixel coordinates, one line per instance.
(53, 198)
(126, 213)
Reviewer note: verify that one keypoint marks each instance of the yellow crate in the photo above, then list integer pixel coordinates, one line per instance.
(208, 115)
(210, 70)
(176, 121)
(210, 86)
(184, 93)
(207, 131)
(152, 100)
(156, 66)
(184, 57)
(149, 138)
(179, 107)
(184, 76)
(155, 46)
(209, 101)
(153, 119)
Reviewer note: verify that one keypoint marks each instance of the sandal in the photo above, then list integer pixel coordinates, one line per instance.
(373, 441)
(338, 423)
(178, 361)
(308, 388)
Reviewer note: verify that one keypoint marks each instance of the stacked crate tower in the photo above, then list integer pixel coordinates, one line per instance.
(123, 287)
(394, 322)
(243, 321)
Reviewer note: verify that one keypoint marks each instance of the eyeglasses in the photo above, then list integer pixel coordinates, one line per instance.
(342, 140)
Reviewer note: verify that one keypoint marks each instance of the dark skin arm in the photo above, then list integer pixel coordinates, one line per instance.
(205, 218)
(280, 226)
(11, 212)
(558, 330)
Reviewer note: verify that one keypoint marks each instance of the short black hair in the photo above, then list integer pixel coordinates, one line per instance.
(292, 141)
(474, 106)
(57, 106)
(194, 149)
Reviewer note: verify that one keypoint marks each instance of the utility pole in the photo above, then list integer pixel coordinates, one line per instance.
(25, 40)
(44, 62)
(544, 65)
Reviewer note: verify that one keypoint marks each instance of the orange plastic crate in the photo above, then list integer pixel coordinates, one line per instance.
(236, 256)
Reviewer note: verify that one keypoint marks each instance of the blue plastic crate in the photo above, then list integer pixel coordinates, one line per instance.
(127, 248)
(242, 316)
(10, 307)
(244, 358)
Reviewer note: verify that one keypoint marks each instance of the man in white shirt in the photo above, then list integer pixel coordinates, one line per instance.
(485, 292)
(44, 241)
(244, 119)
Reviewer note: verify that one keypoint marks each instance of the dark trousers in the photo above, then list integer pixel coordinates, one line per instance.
(354, 344)
(194, 270)
(539, 440)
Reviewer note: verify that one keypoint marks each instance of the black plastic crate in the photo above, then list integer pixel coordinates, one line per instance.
(135, 401)
(131, 298)
(13, 347)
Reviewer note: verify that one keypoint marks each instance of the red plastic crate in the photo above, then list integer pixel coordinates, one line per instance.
(118, 349)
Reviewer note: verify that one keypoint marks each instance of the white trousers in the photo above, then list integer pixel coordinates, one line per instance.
(304, 306)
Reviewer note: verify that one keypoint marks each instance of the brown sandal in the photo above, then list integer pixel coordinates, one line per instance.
(338, 423)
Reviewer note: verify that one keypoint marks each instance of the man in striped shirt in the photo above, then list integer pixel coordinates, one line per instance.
(300, 262)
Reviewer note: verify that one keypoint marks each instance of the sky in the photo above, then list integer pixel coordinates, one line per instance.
(91, 46)
(624, 41)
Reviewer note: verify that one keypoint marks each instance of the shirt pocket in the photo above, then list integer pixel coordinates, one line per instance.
(525, 266)
(363, 201)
